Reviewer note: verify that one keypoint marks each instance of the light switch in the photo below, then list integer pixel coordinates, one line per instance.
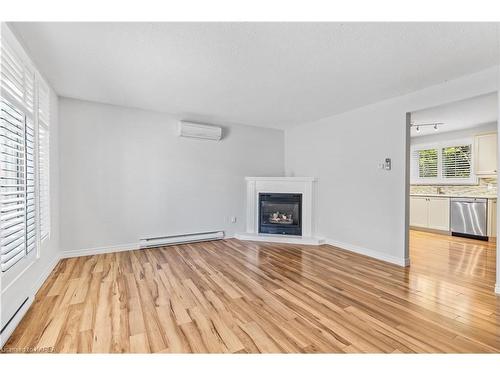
(387, 164)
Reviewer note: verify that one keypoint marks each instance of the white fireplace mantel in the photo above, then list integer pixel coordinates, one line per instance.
(298, 185)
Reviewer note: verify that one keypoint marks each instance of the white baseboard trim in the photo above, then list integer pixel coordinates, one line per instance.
(403, 262)
(100, 250)
(279, 238)
(31, 297)
(497, 288)
(107, 249)
(46, 274)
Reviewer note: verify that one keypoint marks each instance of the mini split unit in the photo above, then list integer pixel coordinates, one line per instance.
(200, 131)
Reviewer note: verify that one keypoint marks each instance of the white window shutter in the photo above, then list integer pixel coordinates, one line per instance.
(426, 162)
(13, 194)
(456, 161)
(43, 156)
(447, 162)
(17, 158)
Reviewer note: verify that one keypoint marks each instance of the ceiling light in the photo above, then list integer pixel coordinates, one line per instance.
(436, 127)
(417, 129)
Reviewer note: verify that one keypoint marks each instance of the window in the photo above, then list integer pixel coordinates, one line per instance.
(23, 150)
(457, 161)
(444, 163)
(427, 163)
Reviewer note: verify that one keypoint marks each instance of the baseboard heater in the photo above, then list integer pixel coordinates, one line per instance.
(13, 316)
(180, 239)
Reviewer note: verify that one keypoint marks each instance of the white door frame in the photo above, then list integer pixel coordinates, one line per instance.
(407, 192)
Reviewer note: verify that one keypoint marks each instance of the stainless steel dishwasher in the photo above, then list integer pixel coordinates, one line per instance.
(468, 217)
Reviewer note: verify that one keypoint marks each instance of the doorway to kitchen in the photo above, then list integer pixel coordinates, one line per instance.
(452, 206)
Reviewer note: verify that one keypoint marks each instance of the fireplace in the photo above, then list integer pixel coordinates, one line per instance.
(280, 213)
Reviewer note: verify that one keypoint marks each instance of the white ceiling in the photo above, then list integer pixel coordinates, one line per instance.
(264, 74)
(458, 115)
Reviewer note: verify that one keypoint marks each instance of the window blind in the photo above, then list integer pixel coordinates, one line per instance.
(447, 162)
(17, 158)
(456, 161)
(427, 163)
(43, 157)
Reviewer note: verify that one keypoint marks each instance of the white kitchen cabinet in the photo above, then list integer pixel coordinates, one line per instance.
(430, 212)
(486, 154)
(419, 212)
(439, 213)
(492, 217)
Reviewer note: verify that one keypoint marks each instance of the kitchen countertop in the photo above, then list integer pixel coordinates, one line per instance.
(487, 196)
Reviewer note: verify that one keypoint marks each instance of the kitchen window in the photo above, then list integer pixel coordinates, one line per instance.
(456, 162)
(427, 163)
(447, 163)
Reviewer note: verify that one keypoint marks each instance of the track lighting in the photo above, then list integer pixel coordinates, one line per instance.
(433, 124)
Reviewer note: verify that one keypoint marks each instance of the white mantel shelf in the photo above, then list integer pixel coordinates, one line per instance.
(297, 179)
(302, 185)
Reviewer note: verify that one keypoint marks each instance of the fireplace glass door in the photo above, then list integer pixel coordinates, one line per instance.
(280, 213)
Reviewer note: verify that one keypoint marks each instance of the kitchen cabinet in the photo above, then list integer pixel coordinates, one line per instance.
(492, 217)
(430, 212)
(439, 213)
(485, 154)
(419, 211)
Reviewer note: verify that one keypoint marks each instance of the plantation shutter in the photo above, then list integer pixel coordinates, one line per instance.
(43, 157)
(427, 162)
(456, 161)
(17, 158)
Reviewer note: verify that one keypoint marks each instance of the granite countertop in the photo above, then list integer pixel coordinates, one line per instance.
(488, 196)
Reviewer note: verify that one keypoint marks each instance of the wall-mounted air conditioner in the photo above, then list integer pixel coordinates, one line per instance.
(203, 131)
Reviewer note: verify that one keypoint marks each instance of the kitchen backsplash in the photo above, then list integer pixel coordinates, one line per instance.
(486, 186)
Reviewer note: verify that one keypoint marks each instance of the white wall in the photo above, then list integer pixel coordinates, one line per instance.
(126, 175)
(362, 208)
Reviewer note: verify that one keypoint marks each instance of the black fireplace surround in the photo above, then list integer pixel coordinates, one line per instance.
(280, 213)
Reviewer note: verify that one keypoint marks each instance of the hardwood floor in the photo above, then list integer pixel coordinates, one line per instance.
(236, 297)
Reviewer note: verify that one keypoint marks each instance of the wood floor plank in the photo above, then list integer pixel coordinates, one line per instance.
(233, 296)
(260, 338)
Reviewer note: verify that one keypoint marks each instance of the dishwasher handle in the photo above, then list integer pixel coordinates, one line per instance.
(470, 200)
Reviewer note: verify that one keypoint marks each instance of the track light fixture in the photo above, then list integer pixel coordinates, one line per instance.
(433, 124)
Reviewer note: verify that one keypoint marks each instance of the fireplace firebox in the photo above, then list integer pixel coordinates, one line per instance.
(280, 213)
